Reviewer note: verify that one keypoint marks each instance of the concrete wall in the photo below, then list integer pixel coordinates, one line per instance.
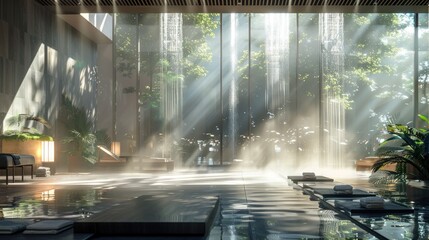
(41, 58)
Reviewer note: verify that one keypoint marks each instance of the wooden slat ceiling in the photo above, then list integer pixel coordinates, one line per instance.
(406, 5)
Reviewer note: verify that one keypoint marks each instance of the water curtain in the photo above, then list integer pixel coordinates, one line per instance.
(332, 69)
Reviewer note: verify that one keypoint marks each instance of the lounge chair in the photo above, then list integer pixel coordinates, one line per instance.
(14, 161)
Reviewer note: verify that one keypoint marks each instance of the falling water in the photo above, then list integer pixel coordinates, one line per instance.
(233, 90)
(332, 54)
(277, 52)
(277, 56)
(172, 75)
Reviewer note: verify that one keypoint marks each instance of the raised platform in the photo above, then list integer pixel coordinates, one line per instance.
(330, 193)
(296, 179)
(353, 207)
(108, 161)
(144, 163)
(154, 216)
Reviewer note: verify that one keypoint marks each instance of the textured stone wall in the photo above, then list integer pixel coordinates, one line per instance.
(41, 57)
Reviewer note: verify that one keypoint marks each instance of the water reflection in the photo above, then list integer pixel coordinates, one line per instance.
(407, 226)
(64, 203)
(253, 207)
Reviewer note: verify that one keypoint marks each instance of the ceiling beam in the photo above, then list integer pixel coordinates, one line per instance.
(239, 6)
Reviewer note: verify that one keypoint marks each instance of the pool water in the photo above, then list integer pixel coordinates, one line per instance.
(253, 205)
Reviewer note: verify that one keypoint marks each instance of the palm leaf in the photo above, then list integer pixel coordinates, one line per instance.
(408, 147)
(383, 150)
(424, 118)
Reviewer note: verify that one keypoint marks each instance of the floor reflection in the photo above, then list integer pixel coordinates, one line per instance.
(253, 205)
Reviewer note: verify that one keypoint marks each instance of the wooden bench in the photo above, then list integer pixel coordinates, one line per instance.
(365, 164)
(107, 160)
(152, 163)
(7, 162)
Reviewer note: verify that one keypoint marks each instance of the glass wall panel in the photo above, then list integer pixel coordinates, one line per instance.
(201, 90)
(270, 90)
(151, 119)
(378, 78)
(423, 65)
(306, 105)
(179, 87)
(126, 62)
(331, 35)
(282, 90)
(235, 84)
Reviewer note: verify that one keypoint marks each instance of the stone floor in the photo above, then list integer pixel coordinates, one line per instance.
(253, 204)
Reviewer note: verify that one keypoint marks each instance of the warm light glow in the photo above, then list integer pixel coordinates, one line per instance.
(116, 148)
(48, 195)
(48, 150)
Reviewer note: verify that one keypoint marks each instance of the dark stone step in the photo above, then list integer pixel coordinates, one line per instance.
(154, 216)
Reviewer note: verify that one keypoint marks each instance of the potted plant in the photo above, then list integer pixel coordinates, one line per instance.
(408, 148)
(81, 138)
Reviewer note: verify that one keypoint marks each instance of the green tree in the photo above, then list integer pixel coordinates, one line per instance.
(196, 51)
(371, 43)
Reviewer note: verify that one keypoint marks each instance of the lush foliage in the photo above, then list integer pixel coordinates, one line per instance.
(408, 148)
(82, 144)
(364, 71)
(196, 50)
(81, 137)
(134, 28)
(20, 130)
(17, 135)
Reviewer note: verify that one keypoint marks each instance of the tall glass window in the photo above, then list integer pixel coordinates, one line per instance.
(378, 77)
(422, 31)
(278, 89)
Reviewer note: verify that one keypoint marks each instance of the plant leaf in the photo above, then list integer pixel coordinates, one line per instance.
(424, 118)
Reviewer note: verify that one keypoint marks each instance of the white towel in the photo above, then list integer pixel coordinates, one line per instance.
(372, 202)
(343, 189)
(309, 175)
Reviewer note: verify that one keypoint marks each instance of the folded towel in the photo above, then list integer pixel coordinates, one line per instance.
(343, 189)
(10, 227)
(309, 175)
(372, 202)
(16, 159)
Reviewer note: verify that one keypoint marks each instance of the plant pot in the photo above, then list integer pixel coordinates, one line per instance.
(75, 164)
(78, 164)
